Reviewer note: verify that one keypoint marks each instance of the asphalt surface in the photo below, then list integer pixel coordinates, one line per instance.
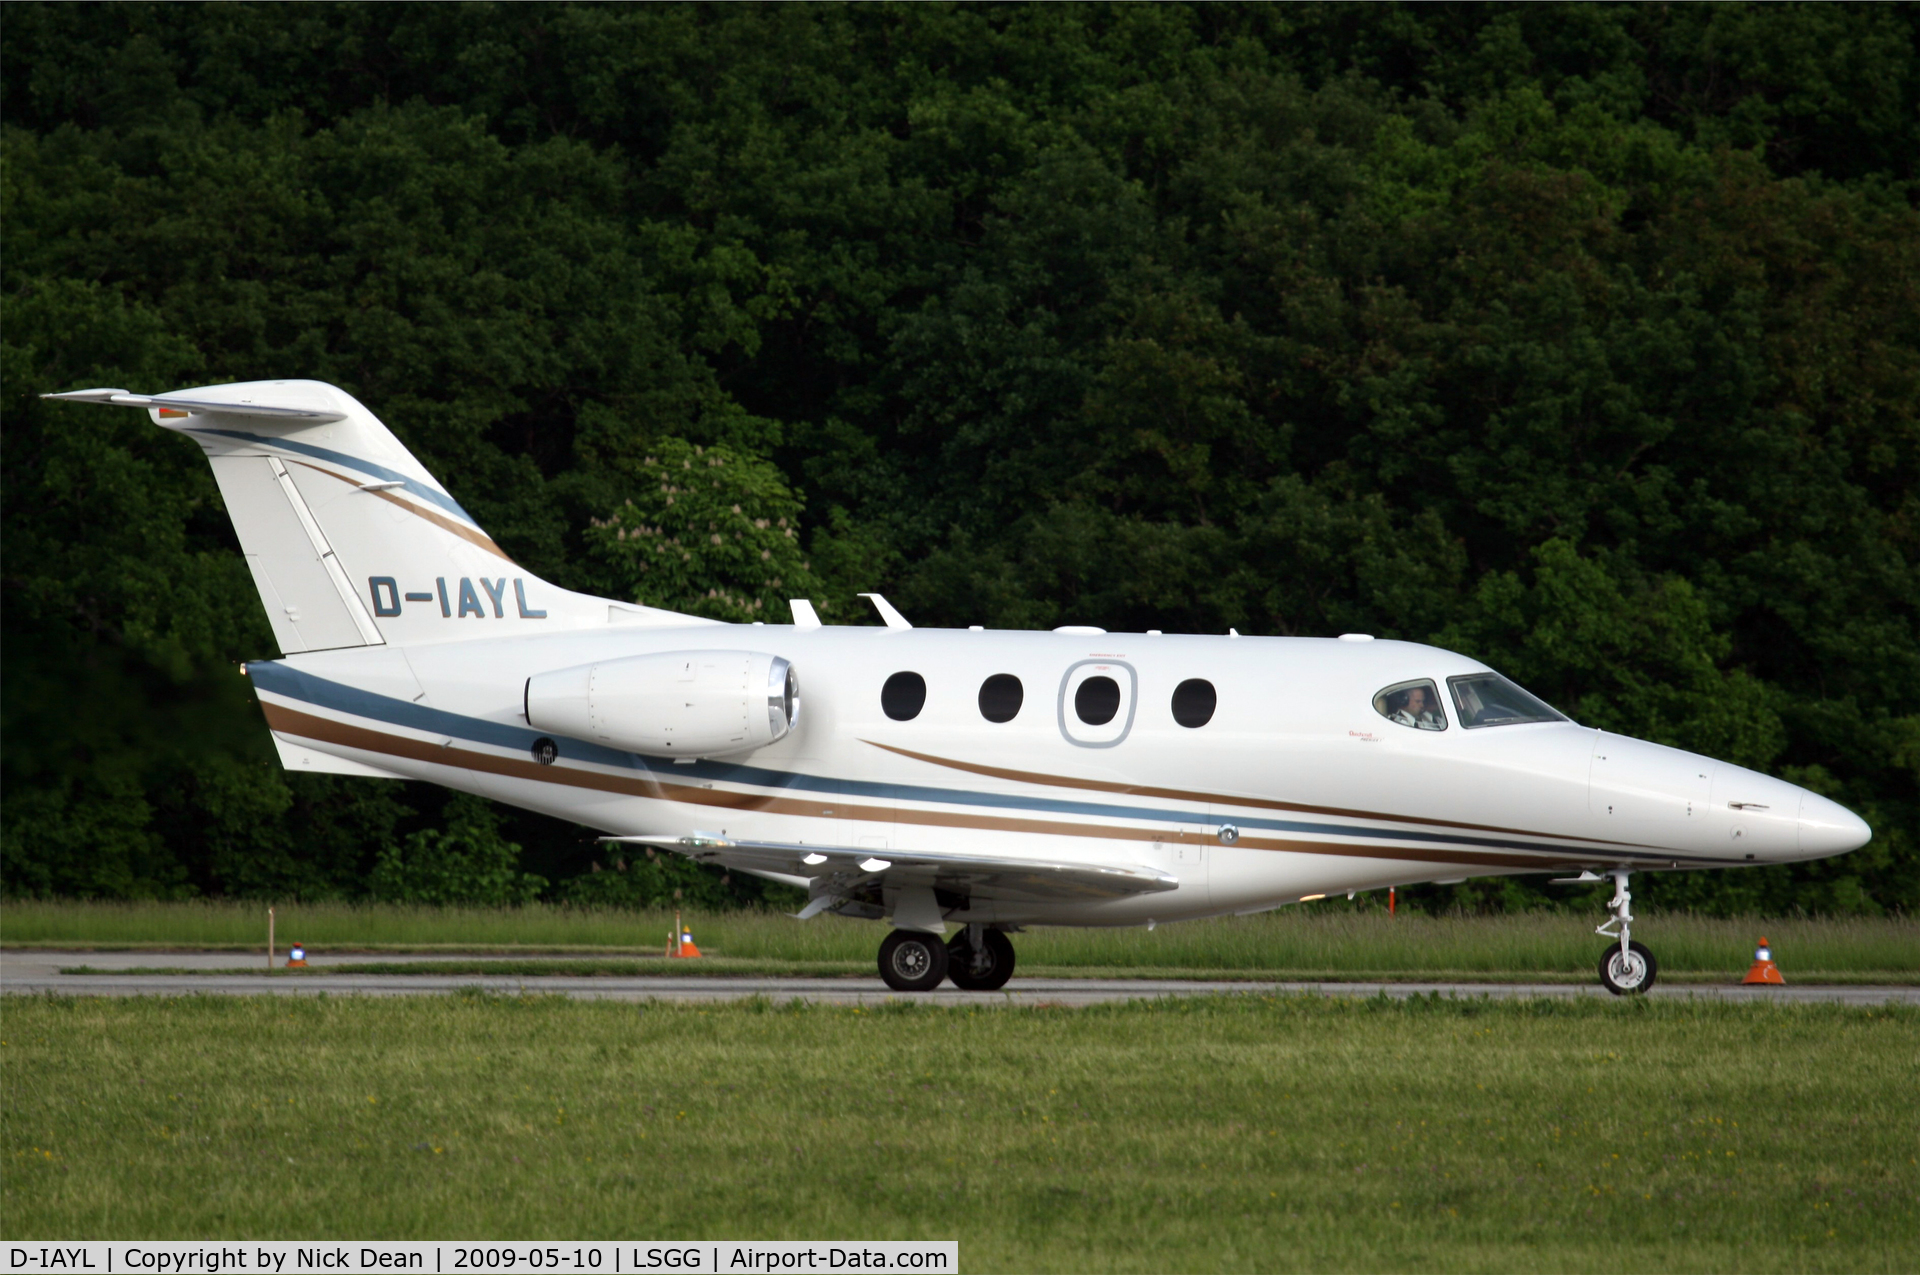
(39, 971)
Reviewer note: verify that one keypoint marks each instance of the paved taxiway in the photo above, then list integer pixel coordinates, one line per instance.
(39, 971)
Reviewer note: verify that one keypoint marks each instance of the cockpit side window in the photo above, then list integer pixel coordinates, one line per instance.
(1487, 699)
(1415, 704)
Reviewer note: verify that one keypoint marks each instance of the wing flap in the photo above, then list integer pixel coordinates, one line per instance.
(843, 869)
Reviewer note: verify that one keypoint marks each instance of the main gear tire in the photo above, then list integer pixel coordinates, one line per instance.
(913, 960)
(1628, 973)
(983, 969)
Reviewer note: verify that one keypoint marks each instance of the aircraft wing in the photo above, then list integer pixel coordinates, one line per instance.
(843, 870)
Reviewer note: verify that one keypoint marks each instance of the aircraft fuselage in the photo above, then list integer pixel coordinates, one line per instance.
(1295, 786)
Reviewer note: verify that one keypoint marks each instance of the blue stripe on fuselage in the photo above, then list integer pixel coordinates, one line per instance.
(414, 486)
(281, 679)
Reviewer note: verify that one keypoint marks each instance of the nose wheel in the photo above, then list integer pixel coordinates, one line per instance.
(1627, 968)
(1629, 972)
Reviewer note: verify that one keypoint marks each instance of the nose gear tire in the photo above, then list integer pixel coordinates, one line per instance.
(1629, 974)
(984, 971)
(913, 960)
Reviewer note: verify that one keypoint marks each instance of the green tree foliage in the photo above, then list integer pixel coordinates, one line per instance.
(1584, 340)
(635, 877)
(466, 862)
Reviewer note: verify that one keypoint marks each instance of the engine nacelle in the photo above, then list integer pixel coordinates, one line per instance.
(673, 704)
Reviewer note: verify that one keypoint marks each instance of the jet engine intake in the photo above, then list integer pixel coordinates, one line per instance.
(670, 704)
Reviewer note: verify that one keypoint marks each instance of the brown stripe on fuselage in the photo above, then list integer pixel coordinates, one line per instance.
(1256, 803)
(470, 534)
(648, 785)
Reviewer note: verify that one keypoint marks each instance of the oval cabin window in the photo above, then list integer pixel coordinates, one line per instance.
(904, 695)
(1097, 700)
(1193, 702)
(1000, 697)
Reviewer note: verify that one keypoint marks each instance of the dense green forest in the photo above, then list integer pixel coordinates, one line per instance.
(1582, 339)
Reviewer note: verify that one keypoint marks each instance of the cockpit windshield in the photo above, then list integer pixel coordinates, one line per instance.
(1415, 704)
(1487, 699)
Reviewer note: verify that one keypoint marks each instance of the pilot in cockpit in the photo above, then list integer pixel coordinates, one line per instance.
(1416, 708)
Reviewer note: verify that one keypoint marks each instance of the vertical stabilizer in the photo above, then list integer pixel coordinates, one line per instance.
(350, 540)
(310, 602)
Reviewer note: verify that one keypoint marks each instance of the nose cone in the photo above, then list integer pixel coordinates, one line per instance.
(1827, 827)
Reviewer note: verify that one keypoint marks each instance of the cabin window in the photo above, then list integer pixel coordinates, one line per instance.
(1193, 702)
(1487, 699)
(1097, 700)
(903, 696)
(1416, 704)
(1000, 697)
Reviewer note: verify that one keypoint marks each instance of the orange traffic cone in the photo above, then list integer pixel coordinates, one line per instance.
(297, 957)
(1763, 970)
(682, 941)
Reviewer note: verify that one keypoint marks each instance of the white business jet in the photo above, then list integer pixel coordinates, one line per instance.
(934, 777)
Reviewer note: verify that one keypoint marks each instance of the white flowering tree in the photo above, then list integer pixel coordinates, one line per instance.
(709, 530)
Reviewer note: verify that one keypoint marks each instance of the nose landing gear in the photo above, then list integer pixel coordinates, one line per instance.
(1626, 968)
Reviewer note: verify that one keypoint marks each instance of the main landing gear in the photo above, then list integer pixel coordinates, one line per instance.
(977, 960)
(913, 960)
(1627, 968)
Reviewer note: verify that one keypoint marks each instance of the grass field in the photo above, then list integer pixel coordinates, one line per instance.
(1329, 941)
(1235, 1133)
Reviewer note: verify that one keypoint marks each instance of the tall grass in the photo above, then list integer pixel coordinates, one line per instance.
(222, 923)
(1362, 942)
(1291, 941)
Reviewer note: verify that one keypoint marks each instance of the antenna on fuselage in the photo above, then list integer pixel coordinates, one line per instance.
(893, 618)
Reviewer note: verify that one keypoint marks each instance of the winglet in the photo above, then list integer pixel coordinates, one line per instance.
(804, 616)
(893, 618)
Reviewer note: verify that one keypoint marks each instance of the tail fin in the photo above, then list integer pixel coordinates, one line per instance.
(350, 540)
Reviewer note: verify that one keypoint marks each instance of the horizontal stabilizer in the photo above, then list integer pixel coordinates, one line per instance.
(837, 869)
(167, 403)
